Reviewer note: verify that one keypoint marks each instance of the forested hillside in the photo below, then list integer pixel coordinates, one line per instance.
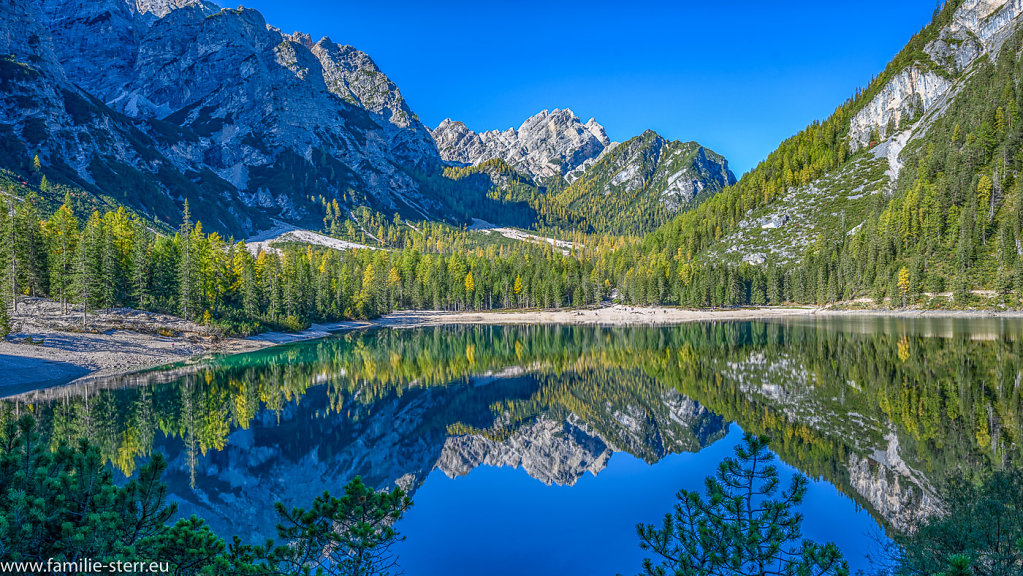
(948, 218)
(637, 186)
(114, 259)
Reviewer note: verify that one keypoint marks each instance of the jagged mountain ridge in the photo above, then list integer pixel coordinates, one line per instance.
(149, 103)
(547, 144)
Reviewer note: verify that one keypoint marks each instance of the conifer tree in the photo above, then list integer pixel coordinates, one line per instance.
(5, 321)
(186, 264)
(140, 262)
(744, 527)
(89, 266)
(63, 233)
(9, 232)
(30, 248)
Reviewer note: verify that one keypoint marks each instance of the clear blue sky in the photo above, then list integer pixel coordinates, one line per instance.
(736, 76)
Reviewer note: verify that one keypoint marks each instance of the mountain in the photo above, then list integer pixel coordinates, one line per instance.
(576, 179)
(548, 144)
(910, 188)
(154, 102)
(641, 184)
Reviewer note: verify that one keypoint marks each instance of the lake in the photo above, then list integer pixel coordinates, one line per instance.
(538, 449)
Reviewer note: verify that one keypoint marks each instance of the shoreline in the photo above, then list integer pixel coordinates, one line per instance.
(918, 313)
(52, 355)
(617, 315)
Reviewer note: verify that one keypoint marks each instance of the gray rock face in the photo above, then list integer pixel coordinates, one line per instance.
(955, 49)
(978, 27)
(45, 112)
(547, 144)
(214, 97)
(895, 494)
(912, 92)
(161, 8)
(354, 77)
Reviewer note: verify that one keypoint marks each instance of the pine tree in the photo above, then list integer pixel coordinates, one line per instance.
(62, 230)
(186, 264)
(5, 321)
(10, 252)
(89, 266)
(742, 528)
(140, 263)
(30, 248)
(347, 536)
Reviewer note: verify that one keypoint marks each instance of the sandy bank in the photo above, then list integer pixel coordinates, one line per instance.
(914, 313)
(50, 348)
(609, 316)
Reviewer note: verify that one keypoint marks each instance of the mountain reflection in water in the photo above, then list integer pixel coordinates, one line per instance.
(879, 410)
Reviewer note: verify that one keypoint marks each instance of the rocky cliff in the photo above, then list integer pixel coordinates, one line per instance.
(547, 144)
(977, 28)
(156, 101)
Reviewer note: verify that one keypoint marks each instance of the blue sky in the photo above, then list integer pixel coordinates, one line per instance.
(737, 76)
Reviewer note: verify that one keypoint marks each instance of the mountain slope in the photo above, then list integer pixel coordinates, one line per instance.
(891, 181)
(152, 102)
(641, 184)
(79, 140)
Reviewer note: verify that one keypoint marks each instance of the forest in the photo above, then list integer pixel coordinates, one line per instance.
(952, 224)
(114, 259)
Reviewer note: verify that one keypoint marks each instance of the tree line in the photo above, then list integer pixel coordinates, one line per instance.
(115, 259)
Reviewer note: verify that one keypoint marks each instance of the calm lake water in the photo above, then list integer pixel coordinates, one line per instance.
(538, 449)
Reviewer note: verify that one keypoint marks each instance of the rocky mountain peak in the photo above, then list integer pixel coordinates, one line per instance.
(354, 77)
(301, 38)
(161, 8)
(550, 143)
